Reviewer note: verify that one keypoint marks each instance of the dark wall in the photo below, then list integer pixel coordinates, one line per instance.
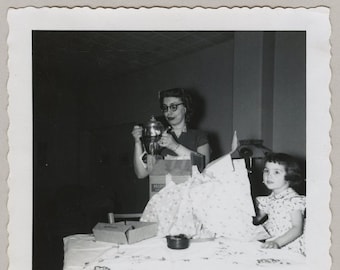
(83, 112)
(289, 95)
(134, 98)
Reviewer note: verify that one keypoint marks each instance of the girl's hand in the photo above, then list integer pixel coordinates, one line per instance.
(137, 133)
(168, 141)
(293, 233)
(270, 244)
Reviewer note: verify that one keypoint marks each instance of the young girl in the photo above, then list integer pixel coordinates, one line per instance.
(284, 207)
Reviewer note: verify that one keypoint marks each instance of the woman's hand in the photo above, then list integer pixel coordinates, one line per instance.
(270, 244)
(168, 141)
(137, 133)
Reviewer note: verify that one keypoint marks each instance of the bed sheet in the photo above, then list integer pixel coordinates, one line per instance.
(83, 252)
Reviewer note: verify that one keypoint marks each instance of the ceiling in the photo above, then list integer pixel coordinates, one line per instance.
(124, 51)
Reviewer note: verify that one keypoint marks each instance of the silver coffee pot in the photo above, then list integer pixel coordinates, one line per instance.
(152, 133)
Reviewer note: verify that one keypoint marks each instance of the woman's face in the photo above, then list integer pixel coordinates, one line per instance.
(174, 117)
(274, 175)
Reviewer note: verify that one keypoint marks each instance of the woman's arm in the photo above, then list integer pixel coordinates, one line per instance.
(292, 234)
(168, 141)
(140, 170)
(205, 151)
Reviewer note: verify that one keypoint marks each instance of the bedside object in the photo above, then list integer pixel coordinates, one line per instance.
(249, 150)
(180, 241)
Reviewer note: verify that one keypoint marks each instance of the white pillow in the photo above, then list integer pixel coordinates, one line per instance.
(224, 204)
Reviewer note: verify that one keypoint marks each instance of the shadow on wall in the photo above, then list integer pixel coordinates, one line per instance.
(198, 107)
(199, 112)
(215, 145)
(301, 188)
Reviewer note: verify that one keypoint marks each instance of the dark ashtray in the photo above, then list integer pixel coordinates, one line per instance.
(180, 241)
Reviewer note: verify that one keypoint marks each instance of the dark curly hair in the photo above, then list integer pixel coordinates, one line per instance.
(178, 93)
(292, 167)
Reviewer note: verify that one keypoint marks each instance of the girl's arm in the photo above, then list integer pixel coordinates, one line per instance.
(297, 220)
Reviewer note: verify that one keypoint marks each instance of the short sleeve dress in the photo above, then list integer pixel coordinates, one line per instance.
(278, 208)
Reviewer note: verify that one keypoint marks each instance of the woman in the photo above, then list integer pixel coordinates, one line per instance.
(179, 141)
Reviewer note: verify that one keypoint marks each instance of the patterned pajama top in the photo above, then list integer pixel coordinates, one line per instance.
(278, 207)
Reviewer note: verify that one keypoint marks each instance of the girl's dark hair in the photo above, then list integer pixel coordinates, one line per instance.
(179, 93)
(292, 167)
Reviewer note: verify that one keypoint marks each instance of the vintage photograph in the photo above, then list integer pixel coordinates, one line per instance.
(100, 98)
(172, 148)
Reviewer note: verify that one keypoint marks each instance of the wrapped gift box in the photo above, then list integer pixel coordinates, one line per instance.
(124, 232)
(180, 171)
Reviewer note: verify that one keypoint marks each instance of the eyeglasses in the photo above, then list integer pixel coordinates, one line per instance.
(172, 107)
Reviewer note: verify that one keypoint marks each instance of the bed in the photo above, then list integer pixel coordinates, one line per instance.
(83, 252)
(214, 208)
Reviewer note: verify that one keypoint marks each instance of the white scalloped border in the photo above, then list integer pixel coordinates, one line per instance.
(314, 20)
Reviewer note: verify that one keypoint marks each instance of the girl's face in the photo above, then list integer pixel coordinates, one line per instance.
(174, 110)
(274, 177)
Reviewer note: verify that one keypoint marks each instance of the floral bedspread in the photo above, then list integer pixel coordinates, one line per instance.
(215, 203)
(83, 252)
(214, 208)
